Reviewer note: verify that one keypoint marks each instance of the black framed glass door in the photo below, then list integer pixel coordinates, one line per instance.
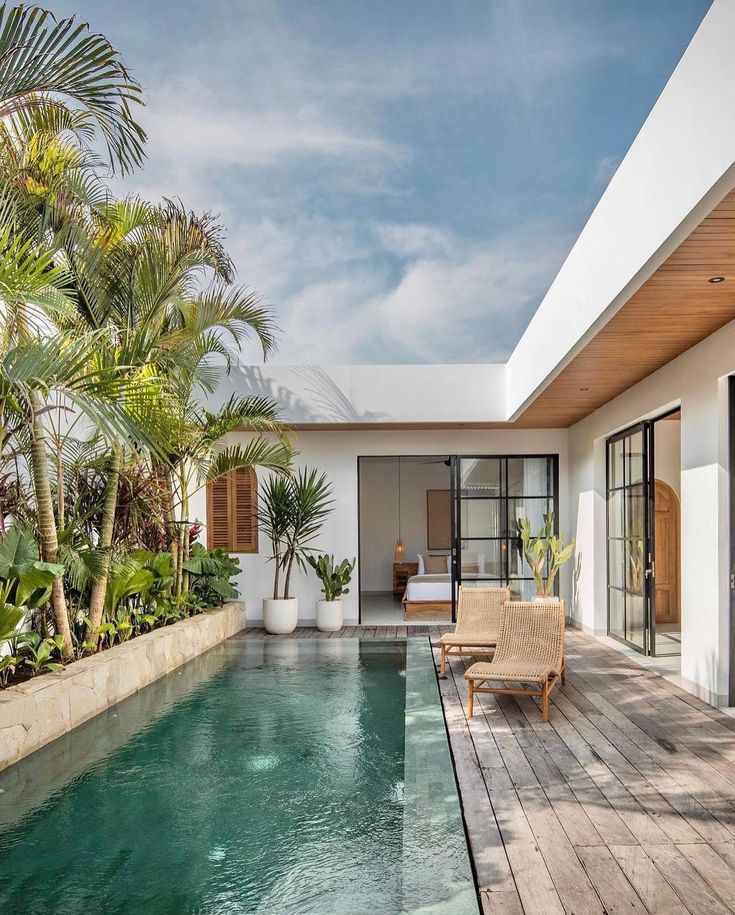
(490, 494)
(630, 549)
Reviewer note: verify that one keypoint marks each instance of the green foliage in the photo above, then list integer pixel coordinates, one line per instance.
(334, 578)
(10, 618)
(211, 573)
(545, 553)
(8, 666)
(25, 581)
(39, 655)
(126, 579)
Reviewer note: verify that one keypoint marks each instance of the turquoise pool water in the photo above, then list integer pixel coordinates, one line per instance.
(294, 776)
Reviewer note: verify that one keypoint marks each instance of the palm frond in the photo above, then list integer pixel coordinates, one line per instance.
(47, 62)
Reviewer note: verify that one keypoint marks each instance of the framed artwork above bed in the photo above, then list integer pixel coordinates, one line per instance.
(438, 519)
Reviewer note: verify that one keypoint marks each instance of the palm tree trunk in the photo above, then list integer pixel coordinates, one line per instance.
(277, 575)
(46, 521)
(287, 583)
(172, 531)
(185, 525)
(107, 526)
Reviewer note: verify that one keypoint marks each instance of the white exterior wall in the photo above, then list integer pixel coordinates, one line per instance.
(696, 380)
(365, 394)
(336, 453)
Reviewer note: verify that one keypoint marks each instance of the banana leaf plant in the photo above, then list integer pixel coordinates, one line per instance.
(211, 573)
(545, 553)
(25, 581)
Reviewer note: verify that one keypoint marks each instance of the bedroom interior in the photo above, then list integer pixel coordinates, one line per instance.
(405, 539)
(405, 529)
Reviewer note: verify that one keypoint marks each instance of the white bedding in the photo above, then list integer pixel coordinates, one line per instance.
(429, 587)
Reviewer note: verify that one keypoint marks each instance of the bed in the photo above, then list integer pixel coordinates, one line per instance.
(428, 597)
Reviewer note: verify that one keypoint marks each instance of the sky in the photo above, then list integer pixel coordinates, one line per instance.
(400, 181)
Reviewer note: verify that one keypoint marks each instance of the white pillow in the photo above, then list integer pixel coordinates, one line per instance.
(421, 565)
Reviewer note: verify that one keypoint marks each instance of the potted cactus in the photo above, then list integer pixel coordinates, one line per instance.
(545, 553)
(334, 579)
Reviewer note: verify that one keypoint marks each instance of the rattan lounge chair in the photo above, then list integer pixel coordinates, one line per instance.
(530, 649)
(478, 622)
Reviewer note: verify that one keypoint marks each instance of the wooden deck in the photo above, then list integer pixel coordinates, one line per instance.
(623, 802)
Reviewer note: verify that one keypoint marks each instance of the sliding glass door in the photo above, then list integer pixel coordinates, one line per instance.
(630, 537)
(490, 495)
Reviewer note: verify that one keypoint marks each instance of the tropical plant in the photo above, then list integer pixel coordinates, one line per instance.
(294, 509)
(25, 581)
(211, 573)
(39, 655)
(47, 64)
(544, 553)
(334, 578)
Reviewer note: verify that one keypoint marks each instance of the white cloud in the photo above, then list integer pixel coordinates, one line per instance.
(453, 301)
(284, 122)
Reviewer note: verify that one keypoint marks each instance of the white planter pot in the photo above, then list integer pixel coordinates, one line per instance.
(545, 600)
(280, 616)
(329, 615)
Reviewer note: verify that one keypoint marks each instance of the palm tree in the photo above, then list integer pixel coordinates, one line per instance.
(48, 64)
(64, 367)
(140, 271)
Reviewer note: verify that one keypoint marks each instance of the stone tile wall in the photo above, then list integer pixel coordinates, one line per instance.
(40, 710)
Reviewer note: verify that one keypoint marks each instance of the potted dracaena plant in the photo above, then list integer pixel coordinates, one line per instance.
(334, 579)
(545, 554)
(292, 514)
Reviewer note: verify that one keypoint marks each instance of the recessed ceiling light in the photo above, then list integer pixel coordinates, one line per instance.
(716, 279)
(584, 389)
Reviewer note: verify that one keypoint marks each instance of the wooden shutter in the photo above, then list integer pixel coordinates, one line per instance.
(245, 514)
(232, 512)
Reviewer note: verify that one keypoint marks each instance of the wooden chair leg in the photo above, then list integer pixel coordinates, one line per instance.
(545, 702)
(563, 673)
(442, 660)
(470, 698)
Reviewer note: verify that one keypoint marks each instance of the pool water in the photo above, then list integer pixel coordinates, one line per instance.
(273, 776)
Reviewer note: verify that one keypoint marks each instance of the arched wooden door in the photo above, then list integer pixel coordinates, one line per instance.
(666, 541)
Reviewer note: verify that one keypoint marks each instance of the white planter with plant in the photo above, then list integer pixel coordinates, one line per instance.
(334, 579)
(545, 554)
(293, 509)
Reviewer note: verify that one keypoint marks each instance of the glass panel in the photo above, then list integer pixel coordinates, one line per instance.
(533, 509)
(635, 628)
(479, 477)
(482, 559)
(616, 563)
(517, 565)
(635, 619)
(615, 466)
(617, 612)
(529, 476)
(634, 458)
(615, 514)
(635, 567)
(634, 511)
(522, 589)
(482, 517)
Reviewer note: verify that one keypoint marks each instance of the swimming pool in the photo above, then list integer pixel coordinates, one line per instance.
(273, 776)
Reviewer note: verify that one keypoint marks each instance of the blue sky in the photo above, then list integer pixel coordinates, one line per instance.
(401, 180)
